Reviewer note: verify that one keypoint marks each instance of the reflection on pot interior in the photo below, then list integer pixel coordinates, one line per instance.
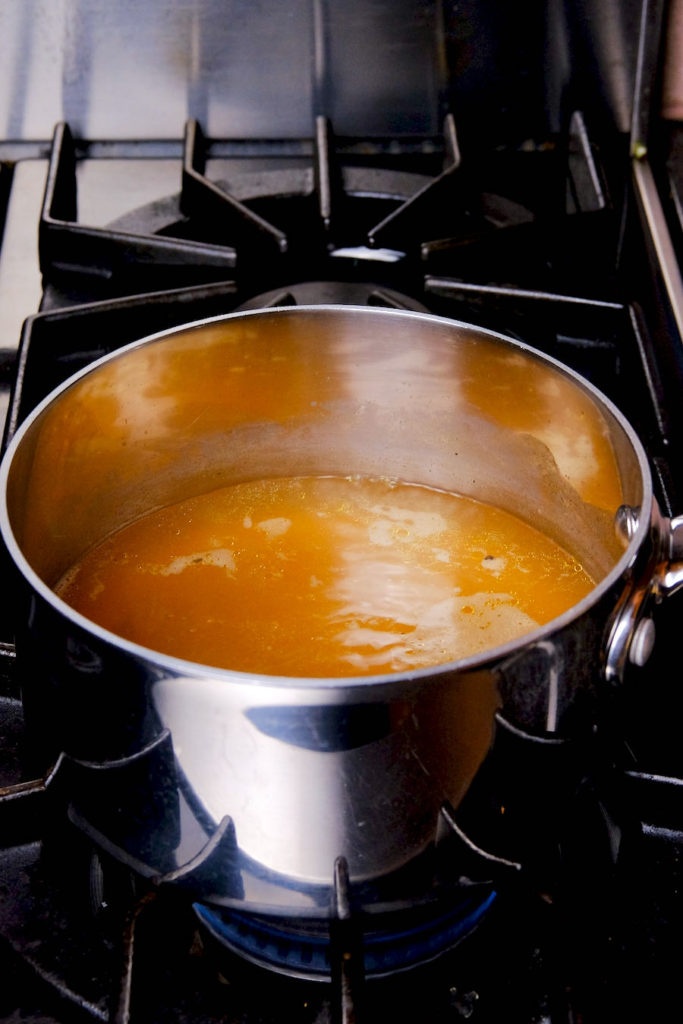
(321, 576)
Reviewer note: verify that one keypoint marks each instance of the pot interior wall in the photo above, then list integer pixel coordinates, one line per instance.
(321, 391)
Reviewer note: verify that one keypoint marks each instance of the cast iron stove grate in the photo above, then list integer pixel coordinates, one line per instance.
(514, 215)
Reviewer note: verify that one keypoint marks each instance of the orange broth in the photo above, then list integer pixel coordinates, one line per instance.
(324, 577)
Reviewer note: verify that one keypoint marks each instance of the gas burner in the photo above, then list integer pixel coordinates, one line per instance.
(301, 949)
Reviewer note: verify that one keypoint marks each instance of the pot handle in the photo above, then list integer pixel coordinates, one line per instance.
(672, 577)
(632, 631)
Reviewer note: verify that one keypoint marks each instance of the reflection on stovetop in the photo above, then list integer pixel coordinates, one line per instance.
(537, 241)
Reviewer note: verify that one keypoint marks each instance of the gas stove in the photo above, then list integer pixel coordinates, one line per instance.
(560, 237)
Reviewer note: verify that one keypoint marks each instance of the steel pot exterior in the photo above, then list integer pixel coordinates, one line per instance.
(160, 755)
(266, 781)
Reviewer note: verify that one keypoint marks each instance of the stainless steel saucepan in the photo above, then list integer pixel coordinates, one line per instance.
(277, 777)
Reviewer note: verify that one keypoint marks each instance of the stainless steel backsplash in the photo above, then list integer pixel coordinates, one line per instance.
(120, 69)
(244, 68)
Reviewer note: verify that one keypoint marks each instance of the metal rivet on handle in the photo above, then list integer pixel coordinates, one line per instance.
(626, 522)
(642, 643)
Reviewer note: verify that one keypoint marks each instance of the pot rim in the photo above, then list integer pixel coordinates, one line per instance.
(180, 667)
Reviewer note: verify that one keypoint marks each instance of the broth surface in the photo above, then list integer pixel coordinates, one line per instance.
(324, 577)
